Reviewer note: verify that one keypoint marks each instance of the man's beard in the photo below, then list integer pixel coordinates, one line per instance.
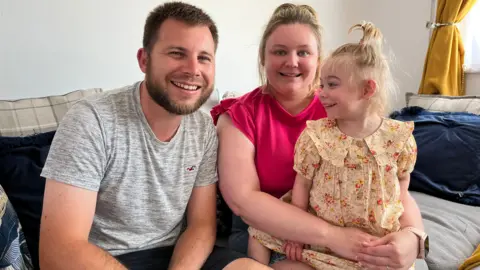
(161, 97)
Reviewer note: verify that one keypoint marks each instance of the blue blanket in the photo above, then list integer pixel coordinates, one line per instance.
(448, 162)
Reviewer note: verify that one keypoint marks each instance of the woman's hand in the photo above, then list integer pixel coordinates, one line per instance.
(397, 250)
(293, 250)
(348, 242)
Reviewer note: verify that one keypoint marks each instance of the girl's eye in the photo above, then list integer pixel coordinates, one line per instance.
(329, 85)
(280, 52)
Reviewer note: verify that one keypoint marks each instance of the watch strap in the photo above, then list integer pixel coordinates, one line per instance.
(422, 236)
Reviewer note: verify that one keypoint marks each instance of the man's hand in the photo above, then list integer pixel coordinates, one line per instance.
(196, 243)
(396, 250)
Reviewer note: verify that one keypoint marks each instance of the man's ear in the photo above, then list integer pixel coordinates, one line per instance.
(142, 58)
(369, 88)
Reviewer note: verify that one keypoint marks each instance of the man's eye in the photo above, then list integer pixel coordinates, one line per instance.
(204, 58)
(176, 54)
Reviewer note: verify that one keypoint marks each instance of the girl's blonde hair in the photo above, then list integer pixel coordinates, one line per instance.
(366, 60)
(290, 14)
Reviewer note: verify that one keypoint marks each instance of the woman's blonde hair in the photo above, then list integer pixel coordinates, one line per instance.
(290, 14)
(369, 62)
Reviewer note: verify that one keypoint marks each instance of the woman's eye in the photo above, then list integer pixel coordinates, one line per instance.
(280, 52)
(303, 53)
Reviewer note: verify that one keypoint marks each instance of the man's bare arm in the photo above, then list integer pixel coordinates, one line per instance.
(196, 243)
(66, 222)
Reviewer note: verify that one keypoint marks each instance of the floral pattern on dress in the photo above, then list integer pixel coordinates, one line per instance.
(354, 182)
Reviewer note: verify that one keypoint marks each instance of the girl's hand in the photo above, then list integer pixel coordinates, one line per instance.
(348, 242)
(397, 250)
(293, 250)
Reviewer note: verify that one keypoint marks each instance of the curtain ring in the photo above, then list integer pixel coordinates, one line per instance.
(433, 25)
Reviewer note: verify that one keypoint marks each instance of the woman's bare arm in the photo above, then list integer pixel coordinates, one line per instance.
(240, 188)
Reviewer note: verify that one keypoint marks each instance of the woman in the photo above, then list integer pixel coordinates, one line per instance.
(257, 133)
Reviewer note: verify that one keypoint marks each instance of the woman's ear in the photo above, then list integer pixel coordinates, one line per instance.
(369, 88)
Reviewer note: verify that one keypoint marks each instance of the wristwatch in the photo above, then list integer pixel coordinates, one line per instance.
(424, 242)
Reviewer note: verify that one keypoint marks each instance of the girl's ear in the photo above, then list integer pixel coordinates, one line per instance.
(369, 88)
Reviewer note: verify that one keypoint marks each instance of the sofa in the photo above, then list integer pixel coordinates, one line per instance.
(445, 182)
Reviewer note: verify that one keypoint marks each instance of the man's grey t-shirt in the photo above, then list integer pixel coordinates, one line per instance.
(105, 144)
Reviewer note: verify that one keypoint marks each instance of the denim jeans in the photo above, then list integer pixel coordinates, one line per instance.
(159, 258)
(238, 239)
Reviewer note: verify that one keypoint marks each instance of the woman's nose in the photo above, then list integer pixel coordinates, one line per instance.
(292, 60)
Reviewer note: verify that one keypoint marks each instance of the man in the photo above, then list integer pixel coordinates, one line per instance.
(127, 166)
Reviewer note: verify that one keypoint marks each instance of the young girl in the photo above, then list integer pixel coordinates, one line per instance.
(353, 168)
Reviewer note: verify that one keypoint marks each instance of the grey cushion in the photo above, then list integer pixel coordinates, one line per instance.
(453, 229)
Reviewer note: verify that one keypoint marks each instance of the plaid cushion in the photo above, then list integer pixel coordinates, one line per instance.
(37, 115)
(437, 103)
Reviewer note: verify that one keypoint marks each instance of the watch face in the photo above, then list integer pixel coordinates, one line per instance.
(427, 246)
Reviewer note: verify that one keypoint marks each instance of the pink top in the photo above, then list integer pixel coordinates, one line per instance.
(273, 131)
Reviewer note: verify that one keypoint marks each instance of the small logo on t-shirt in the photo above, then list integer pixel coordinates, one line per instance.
(192, 168)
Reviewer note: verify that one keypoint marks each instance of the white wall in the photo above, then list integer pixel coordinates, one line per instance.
(55, 46)
(472, 84)
(403, 26)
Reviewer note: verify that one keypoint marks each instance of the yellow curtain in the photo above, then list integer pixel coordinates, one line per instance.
(443, 69)
(472, 262)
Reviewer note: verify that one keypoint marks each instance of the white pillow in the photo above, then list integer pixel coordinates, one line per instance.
(438, 103)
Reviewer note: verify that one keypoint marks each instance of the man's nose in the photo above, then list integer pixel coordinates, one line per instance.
(192, 67)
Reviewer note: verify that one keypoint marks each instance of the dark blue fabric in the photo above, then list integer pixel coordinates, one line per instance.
(224, 216)
(448, 162)
(14, 252)
(21, 162)
(238, 238)
(159, 258)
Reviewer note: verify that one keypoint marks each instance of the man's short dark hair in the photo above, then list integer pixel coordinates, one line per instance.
(183, 12)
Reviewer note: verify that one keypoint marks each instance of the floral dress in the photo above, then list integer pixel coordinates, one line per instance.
(355, 182)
